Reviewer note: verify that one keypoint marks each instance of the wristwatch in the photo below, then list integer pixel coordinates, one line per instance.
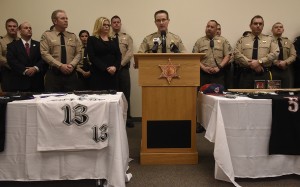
(260, 61)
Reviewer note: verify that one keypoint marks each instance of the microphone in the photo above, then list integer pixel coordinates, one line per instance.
(173, 47)
(156, 42)
(163, 43)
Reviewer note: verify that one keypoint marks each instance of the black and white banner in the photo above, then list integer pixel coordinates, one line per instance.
(72, 122)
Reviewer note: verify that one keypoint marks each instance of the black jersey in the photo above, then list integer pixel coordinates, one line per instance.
(285, 131)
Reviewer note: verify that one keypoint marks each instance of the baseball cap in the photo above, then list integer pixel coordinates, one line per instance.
(212, 89)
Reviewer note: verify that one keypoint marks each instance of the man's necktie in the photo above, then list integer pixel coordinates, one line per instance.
(280, 57)
(63, 48)
(117, 38)
(255, 48)
(27, 48)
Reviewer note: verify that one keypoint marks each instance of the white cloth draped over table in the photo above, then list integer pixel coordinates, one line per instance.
(240, 129)
(21, 161)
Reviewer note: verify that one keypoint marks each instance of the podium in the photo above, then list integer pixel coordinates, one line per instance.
(169, 89)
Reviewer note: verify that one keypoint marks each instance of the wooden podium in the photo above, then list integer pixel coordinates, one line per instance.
(169, 89)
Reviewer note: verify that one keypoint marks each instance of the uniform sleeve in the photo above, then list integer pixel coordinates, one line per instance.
(238, 55)
(181, 47)
(144, 47)
(45, 52)
(196, 47)
(227, 48)
(292, 54)
(274, 52)
(129, 52)
(77, 55)
(2, 56)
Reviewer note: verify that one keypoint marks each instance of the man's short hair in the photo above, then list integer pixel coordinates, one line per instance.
(212, 20)
(276, 24)
(256, 17)
(115, 17)
(54, 14)
(11, 20)
(161, 12)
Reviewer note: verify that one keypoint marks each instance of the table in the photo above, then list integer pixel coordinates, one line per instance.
(21, 161)
(240, 129)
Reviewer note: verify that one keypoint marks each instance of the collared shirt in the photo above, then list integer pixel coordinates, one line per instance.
(221, 49)
(289, 51)
(148, 43)
(126, 47)
(29, 42)
(3, 49)
(268, 50)
(24, 42)
(51, 48)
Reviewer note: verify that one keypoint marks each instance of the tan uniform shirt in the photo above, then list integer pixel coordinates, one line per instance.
(221, 49)
(289, 51)
(267, 50)
(148, 43)
(80, 63)
(51, 48)
(126, 47)
(3, 49)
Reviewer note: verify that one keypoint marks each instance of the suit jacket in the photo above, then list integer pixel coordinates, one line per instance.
(18, 60)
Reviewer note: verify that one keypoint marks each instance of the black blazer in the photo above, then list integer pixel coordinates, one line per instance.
(103, 54)
(18, 60)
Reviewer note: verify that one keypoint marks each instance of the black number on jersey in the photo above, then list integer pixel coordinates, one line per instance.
(100, 134)
(79, 117)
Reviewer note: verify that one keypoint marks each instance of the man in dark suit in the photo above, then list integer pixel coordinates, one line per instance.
(24, 58)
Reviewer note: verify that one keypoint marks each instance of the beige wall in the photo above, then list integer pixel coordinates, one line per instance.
(188, 19)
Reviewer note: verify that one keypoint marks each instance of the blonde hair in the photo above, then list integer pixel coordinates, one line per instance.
(99, 25)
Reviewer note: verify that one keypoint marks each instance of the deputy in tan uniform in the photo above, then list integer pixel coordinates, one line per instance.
(255, 61)
(217, 55)
(173, 42)
(281, 69)
(126, 49)
(61, 50)
(11, 26)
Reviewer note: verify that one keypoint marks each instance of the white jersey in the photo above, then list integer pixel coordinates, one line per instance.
(72, 122)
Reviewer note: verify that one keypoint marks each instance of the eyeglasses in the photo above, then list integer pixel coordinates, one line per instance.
(161, 20)
(106, 25)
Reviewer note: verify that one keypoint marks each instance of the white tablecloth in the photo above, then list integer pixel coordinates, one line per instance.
(22, 162)
(240, 129)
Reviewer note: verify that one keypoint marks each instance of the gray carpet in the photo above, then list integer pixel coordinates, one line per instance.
(201, 174)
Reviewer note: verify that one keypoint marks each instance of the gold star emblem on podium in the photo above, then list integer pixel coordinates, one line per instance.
(169, 71)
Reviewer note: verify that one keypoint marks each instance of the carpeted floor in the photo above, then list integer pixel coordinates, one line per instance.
(201, 175)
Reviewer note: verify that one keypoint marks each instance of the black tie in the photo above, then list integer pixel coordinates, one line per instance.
(255, 48)
(63, 48)
(280, 57)
(117, 38)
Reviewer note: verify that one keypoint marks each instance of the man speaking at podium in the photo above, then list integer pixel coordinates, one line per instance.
(162, 41)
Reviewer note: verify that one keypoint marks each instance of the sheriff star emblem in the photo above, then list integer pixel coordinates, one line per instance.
(169, 71)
